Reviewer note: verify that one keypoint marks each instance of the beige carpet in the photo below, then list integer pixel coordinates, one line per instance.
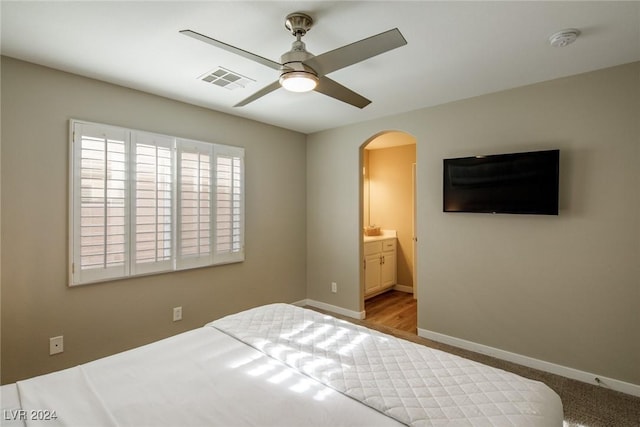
(585, 405)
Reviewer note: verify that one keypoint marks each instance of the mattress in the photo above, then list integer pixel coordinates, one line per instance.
(281, 365)
(411, 383)
(11, 409)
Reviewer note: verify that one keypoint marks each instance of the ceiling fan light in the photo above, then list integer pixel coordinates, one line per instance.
(299, 81)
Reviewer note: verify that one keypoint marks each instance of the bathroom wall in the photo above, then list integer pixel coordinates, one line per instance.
(390, 187)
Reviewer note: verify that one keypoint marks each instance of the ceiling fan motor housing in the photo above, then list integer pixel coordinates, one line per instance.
(295, 68)
(293, 60)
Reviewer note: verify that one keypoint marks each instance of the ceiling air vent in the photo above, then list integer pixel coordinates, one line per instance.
(226, 78)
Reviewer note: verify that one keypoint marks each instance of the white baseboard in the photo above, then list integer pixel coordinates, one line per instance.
(587, 377)
(333, 308)
(403, 288)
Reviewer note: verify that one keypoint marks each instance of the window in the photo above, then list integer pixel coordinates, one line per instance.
(143, 203)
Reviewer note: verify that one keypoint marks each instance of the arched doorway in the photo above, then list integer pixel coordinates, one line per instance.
(388, 266)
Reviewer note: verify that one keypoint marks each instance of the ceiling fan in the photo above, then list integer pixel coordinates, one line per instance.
(301, 71)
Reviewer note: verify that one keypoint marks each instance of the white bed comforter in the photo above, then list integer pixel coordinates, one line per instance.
(202, 377)
(413, 384)
(281, 365)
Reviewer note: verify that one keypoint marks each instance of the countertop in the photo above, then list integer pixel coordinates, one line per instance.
(384, 235)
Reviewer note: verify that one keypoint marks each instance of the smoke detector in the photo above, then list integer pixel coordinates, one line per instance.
(564, 37)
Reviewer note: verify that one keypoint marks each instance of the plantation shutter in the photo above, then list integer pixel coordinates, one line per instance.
(152, 203)
(229, 198)
(100, 220)
(194, 204)
(144, 203)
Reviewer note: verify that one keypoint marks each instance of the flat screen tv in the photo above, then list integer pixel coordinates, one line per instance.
(517, 183)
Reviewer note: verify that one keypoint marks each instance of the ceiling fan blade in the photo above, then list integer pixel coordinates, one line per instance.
(356, 52)
(257, 58)
(259, 94)
(336, 90)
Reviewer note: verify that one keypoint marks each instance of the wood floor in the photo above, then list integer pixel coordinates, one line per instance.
(394, 309)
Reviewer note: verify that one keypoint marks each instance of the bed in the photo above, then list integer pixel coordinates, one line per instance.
(281, 365)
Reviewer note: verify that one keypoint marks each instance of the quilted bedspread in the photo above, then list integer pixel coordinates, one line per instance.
(414, 384)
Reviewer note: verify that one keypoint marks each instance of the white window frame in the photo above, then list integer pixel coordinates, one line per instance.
(129, 268)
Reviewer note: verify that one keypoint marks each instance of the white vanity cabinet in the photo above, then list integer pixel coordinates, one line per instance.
(380, 272)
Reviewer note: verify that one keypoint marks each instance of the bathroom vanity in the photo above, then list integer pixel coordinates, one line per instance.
(380, 262)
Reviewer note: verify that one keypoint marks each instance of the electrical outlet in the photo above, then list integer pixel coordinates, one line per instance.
(177, 313)
(56, 345)
(334, 287)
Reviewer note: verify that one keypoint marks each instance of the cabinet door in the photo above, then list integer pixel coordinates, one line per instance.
(371, 273)
(388, 269)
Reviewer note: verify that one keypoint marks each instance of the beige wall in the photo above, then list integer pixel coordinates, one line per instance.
(98, 320)
(563, 289)
(389, 182)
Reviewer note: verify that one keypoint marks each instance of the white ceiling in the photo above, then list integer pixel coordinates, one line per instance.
(455, 50)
